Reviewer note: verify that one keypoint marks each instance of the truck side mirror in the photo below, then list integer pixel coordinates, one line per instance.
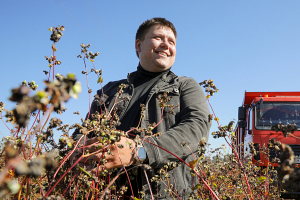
(242, 124)
(242, 113)
(259, 104)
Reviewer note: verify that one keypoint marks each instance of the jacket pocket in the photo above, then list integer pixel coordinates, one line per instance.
(171, 99)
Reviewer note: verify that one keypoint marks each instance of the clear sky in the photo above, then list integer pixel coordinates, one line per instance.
(241, 45)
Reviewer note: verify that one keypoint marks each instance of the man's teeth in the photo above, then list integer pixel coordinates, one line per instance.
(162, 53)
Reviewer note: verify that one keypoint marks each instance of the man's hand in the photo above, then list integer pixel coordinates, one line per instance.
(121, 153)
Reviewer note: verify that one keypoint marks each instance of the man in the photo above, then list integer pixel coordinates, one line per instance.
(185, 120)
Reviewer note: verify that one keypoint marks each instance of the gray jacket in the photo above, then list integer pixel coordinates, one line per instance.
(188, 124)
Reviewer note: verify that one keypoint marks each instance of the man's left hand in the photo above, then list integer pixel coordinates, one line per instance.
(121, 154)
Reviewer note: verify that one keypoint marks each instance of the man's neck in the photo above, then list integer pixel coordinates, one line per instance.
(145, 70)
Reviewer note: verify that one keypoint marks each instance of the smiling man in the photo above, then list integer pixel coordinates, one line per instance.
(157, 49)
(185, 120)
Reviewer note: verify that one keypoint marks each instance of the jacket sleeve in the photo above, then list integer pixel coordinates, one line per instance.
(192, 127)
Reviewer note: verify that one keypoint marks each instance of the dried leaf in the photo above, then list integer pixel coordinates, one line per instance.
(193, 163)
(100, 79)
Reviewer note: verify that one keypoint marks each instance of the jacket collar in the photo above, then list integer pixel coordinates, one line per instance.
(169, 77)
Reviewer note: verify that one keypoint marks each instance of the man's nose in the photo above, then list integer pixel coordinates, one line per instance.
(164, 44)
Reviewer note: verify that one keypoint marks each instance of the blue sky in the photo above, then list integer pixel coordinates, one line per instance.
(241, 45)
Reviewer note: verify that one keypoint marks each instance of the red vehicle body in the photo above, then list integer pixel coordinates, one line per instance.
(277, 107)
(259, 112)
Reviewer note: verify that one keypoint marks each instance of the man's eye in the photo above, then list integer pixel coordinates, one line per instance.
(172, 42)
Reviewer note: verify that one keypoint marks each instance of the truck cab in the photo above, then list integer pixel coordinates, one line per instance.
(259, 112)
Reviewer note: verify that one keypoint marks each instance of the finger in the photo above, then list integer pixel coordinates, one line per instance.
(95, 157)
(111, 157)
(91, 141)
(97, 170)
(111, 164)
(93, 147)
(116, 163)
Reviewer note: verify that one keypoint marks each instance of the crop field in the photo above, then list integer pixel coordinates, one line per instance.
(34, 166)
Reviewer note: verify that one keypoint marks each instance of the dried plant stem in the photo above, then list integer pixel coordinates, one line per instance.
(266, 183)
(171, 190)
(88, 194)
(8, 165)
(93, 192)
(41, 188)
(49, 111)
(168, 186)
(18, 195)
(100, 87)
(162, 112)
(213, 193)
(50, 189)
(16, 134)
(53, 61)
(23, 150)
(69, 184)
(75, 191)
(242, 167)
(34, 122)
(150, 190)
(92, 187)
(27, 188)
(5, 123)
(294, 136)
(90, 154)
(245, 190)
(176, 193)
(49, 74)
(87, 82)
(115, 103)
(140, 122)
(125, 172)
(111, 182)
(240, 163)
(65, 158)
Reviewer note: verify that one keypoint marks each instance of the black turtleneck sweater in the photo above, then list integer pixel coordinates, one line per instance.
(142, 84)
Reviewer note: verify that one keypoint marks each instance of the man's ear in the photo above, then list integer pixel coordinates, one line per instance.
(138, 44)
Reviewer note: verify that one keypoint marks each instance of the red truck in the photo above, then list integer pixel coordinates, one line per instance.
(259, 112)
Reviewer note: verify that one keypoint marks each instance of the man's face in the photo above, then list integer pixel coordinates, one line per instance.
(158, 50)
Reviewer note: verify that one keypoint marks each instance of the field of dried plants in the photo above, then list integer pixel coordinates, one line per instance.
(34, 166)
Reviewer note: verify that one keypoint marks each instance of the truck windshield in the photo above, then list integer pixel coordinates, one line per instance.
(271, 113)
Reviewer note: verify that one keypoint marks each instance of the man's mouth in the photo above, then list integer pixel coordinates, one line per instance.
(163, 54)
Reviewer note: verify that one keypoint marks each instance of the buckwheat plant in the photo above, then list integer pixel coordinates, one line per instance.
(29, 153)
(34, 166)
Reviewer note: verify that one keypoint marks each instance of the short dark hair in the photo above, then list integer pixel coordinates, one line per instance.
(145, 26)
